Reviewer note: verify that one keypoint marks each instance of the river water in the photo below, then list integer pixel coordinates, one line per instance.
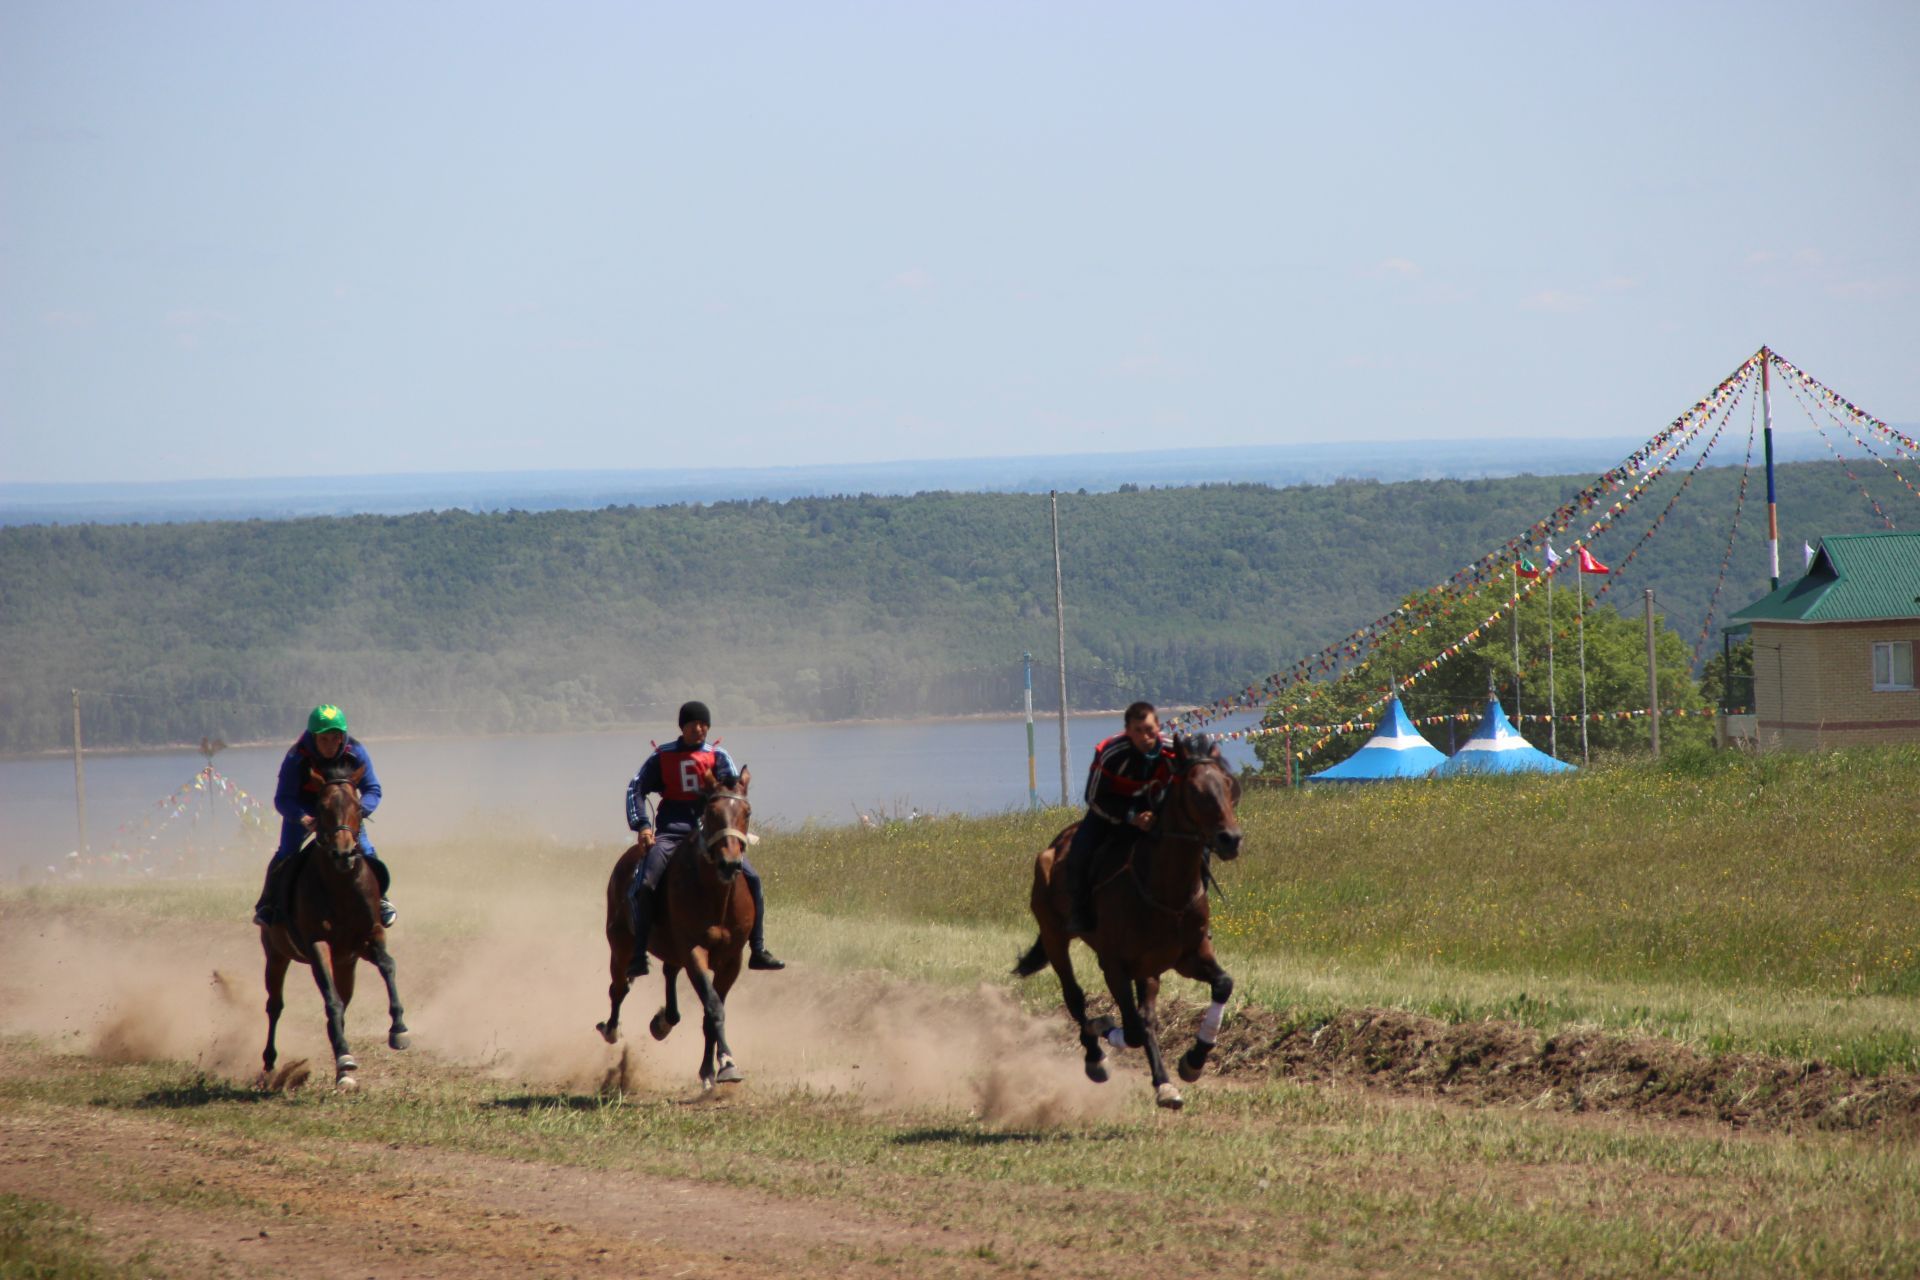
(569, 788)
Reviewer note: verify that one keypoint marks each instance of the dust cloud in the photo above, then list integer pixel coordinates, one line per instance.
(508, 980)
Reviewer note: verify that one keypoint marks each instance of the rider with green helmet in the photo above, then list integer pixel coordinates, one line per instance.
(325, 742)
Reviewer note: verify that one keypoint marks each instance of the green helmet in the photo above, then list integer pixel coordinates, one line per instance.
(326, 717)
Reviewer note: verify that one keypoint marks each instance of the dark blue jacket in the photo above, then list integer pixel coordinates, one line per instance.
(295, 794)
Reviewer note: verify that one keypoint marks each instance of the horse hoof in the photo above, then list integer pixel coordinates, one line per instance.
(345, 1083)
(1097, 1070)
(610, 1034)
(399, 1040)
(659, 1026)
(1190, 1073)
(730, 1074)
(1169, 1097)
(345, 1065)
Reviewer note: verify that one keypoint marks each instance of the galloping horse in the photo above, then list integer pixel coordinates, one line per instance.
(702, 923)
(1152, 916)
(334, 922)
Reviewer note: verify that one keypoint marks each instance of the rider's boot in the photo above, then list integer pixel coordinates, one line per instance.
(638, 965)
(270, 908)
(758, 957)
(1080, 893)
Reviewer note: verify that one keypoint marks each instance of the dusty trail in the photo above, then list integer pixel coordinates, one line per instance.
(213, 1205)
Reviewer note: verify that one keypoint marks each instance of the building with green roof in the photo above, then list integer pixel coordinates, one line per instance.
(1833, 651)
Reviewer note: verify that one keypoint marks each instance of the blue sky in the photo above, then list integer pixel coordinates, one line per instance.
(244, 240)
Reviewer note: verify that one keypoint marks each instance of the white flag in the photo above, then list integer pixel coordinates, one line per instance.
(1553, 557)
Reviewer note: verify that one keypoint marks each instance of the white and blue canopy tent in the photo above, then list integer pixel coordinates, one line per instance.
(1396, 750)
(1497, 747)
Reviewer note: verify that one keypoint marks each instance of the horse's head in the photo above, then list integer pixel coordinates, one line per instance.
(1206, 794)
(336, 816)
(724, 818)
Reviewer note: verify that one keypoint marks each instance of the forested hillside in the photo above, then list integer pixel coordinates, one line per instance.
(807, 609)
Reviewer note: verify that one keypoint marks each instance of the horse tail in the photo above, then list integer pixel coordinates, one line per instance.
(1032, 962)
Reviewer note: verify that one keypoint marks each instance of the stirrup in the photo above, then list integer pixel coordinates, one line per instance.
(638, 966)
(387, 914)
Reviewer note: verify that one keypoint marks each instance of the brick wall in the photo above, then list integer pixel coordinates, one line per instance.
(1813, 685)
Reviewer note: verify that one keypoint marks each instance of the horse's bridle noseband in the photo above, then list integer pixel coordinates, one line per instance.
(708, 839)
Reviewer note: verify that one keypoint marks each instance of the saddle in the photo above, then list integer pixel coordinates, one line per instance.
(283, 896)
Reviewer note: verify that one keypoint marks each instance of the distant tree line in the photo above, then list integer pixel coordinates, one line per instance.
(811, 609)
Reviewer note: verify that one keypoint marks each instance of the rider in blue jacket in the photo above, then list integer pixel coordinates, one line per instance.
(673, 772)
(294, 797)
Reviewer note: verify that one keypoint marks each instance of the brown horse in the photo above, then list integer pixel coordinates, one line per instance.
(1152, 916)
(334, 922)
(701, 924)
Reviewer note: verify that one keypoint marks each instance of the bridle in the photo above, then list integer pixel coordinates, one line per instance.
(324, 833)
(1195, 833)
(712, 837)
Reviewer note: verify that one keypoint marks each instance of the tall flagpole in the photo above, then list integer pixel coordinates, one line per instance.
(1580, 586)
(1517, 717)
(1773, 511)
(1553, 710)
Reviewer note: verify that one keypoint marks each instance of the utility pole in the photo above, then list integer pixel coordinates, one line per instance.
(1033, 777)
(1060, 620)
(1653, 680)
(79, 777)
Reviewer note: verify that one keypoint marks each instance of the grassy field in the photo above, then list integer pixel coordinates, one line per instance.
(913, 1110)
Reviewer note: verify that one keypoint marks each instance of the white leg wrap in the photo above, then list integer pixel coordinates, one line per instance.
(1116, 1037)
(1210, 1023)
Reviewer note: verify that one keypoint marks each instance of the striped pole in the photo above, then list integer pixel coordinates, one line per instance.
(1773, 510)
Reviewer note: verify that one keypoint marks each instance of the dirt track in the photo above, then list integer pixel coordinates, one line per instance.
(218, 1205)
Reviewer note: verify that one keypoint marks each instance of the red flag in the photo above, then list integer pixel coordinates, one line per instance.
(1588, 564)
(1527, 568)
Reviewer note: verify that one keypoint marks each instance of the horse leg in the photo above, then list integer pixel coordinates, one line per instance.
(1147, 991)
(617, 957)
(1203, 967)
(716, 1062)
(1091, 1033)
(667, 1016)
(343, 1064)
(1136, 1028)
(276, 985)
(397, 1025)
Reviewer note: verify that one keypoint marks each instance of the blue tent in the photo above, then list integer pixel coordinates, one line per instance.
(1497, 747)
(1396, 750)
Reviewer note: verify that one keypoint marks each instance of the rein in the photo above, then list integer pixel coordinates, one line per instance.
(1195, 836)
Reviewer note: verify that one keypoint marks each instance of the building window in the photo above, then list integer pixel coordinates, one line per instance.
(1893, 666)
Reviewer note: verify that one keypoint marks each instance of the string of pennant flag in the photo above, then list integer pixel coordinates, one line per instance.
(1351, 651)
(1733, 531)
(1854, 436)
(1467, 717)
(136, 841)
(1655, 464)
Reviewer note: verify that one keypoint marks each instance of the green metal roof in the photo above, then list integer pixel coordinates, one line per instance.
(1854, 577)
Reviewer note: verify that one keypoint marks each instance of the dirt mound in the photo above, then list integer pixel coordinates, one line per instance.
(1575, 1070)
